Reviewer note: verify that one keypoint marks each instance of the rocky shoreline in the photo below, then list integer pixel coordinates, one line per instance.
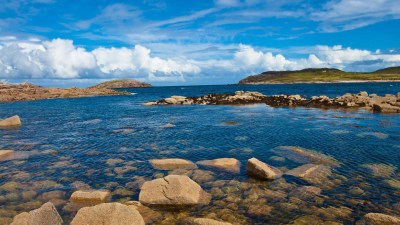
(371, 102)
(318, 82)
(28, 92)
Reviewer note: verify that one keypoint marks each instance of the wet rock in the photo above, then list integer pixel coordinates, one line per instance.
(200, 221)
(108, 214)
(393, 183)
(260, 210)
(307, 220)
(170, 164)
(14, 121)
(228, 164)
(202, 175)
(261, 170)
(90, 196)
(124, 169)
(306, 192)
(312, 173)
(302, 155)
(79, 185)
(380, 170)
(5, 153)
(47, 196)
(45, 215)
(378, 219)
(356, 191)
(181, 172)
(28, 195)
(111, 162)
(174, 191)
(149, 216)
(9, 186)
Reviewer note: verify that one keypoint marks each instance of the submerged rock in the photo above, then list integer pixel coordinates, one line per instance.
(45, 215)
(261, 170)
(378, 219)
(380, 169)
(108, 214)
(5, 153)
(312, 173)
(171, 164)
(306, 192)
(200, 221)
(13, 121)
(173, 191)
(302, 155)
(229, 164)
(90, 196)
(149, 216)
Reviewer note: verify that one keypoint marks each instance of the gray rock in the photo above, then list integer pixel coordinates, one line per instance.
(45, 215)
(262, 170)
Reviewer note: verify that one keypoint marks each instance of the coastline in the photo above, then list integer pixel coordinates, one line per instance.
(321, 82)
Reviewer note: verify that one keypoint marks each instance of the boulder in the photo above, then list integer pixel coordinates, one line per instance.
(108, 214)
(378, 219)
(262, 170)
(229, 164)
(173, 191)
(90, 196)
(200, 221)
(5, 153)
(14, 121)
(171, 164)
(45, 215)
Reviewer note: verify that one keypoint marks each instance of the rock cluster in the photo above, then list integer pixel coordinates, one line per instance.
(384, 104)
(125, 83)
(27, 91)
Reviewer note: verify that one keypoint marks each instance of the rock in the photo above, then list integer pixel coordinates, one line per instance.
(262, 170)
(171, 164)
(260, 210)
(200, 221)
(90, 196)
(229, 164)
(378, 219)
(124, 83)
(47, 196)
(306, 192)
(173, 190)
(380, 169)
(5, 153)
(45, 215)
(302, 155)
(108, 214)
(149, 216)
(385, 108)
(312, 173)
(10, 122)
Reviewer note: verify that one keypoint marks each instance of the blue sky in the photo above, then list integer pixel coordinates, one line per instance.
(80, 43)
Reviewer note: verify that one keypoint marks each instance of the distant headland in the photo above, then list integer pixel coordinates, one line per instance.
(125, 83)
(323, 75)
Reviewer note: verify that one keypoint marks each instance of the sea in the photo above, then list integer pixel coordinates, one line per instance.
(106, 142)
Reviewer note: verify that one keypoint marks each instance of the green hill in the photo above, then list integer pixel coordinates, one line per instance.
(321, 75)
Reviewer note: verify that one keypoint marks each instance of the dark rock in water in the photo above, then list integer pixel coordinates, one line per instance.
(125, 83)
(45, 215)
(108, 214)
(378, 219)
(200, 221)
(14, 121)
(173, 191)
(262, 170)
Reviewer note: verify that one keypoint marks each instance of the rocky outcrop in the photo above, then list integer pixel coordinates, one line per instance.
(13, 121)
(171, 164)
(385, 104)
(200, 221)
(228, 164)
(378, 219)
(261, 170)
(26, 91)
(90, 196)
(125, 83)
(108, 214)
(45, 215)
(173, 191)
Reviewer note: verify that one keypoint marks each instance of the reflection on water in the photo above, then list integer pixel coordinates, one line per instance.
(106, 143)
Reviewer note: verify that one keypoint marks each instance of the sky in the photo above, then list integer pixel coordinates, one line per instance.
(66, 43)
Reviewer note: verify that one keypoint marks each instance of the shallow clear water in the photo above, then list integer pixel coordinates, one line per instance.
(68, 140)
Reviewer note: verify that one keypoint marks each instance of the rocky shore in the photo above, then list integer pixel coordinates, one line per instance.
(372, 102)
(27, 91)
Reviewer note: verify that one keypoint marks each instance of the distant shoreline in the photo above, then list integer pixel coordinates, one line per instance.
(321, 82)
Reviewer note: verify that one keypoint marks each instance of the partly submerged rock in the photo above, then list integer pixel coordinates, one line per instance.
(200, 221)
(45, 215)
(173, 191)
(171, 164)
(13, 121)
(229, 164)
(302, 155)
(378, 219)
(90, 196)
(380, 169)
(261, 170)
(5, 153)
(312, 173)
(108, 214)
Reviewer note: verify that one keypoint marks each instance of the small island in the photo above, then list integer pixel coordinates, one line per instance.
(323, 75)
(125, 83)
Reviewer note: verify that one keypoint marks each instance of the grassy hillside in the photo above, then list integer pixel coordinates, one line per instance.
(321, 75)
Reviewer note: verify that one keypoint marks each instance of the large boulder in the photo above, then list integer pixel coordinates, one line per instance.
(200, 221)
(90, 196)
(14, 121)
(45, 215)
(261, 170)
(173, 191)
(229, 164)
(108, 214)
(171, 164)
(378, 219)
